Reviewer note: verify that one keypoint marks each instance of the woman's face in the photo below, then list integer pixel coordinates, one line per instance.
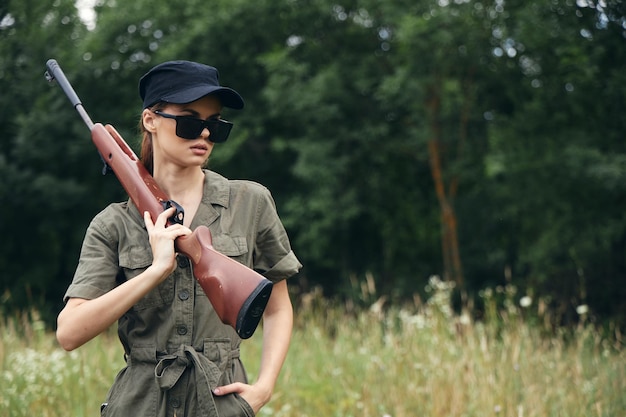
(168, 148)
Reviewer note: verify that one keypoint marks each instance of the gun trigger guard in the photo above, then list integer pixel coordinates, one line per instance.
(179, 216)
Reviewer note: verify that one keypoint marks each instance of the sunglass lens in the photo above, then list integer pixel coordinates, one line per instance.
(188, 128)
(220, 129)
(191, 128)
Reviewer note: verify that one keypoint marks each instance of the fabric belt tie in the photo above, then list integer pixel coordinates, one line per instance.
(170, 368)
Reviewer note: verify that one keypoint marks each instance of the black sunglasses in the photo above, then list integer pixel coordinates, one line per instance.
(189, 127)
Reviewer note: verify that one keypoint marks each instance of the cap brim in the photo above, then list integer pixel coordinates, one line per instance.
(229, 97)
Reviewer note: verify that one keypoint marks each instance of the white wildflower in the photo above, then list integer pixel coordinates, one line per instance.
(582, 309)
(525, 301)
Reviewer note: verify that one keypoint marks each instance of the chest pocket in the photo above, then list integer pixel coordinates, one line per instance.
(133, 262)
(233, 246)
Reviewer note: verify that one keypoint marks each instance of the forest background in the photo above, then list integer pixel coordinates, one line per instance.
(480, 141)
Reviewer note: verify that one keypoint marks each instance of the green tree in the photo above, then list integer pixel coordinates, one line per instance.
(41, 196)
(441, 58)
(482, 141)
(362, 202)
(557, 152)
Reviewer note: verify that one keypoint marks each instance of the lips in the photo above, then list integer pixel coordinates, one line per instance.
(200, 146)
(199, 149)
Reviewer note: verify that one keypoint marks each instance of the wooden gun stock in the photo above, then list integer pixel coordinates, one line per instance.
(238, 294)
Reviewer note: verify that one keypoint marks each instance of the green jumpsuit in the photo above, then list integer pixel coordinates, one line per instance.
(176, 348)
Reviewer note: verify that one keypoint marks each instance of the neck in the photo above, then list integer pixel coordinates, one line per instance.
(180, 184)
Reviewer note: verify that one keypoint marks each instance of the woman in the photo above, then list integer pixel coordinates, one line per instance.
(181, 359)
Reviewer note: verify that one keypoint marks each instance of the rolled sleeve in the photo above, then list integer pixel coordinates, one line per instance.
(274, 258)
(283, 269)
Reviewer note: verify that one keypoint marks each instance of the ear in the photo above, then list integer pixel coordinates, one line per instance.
(148, 119)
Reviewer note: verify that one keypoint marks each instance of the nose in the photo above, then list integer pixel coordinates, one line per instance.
(205, 133)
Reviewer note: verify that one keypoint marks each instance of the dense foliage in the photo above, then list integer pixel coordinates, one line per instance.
(482, 141)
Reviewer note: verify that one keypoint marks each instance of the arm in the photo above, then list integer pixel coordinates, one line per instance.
(81, 320)
(277, 326)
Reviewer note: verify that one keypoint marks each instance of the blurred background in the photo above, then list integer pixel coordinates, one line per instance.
(479, 141)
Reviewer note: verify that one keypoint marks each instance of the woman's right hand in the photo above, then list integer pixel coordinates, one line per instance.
(83, 319)
(162, 241)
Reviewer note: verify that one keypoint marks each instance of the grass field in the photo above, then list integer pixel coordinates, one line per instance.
(380, 362)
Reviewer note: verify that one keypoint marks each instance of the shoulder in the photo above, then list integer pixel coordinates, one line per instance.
(222, 187)
(117, 218)
(112, 212)
(250, 187)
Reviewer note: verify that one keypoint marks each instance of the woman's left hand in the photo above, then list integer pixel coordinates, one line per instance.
(254, 395)
(277, 325)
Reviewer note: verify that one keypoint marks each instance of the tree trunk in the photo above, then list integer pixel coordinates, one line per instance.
(452, 266)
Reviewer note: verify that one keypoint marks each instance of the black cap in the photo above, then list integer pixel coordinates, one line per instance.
(181, 82)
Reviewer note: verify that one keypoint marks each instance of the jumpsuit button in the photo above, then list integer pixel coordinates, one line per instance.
(183, 262)
(182, 330)
(183, 295)
(175, 403)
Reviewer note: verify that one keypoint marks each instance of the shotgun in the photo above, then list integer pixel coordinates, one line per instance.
(238, 294)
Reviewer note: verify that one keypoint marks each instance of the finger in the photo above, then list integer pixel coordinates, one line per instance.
(148, 221)
(236, 387)
(178, 230)
(161, 221)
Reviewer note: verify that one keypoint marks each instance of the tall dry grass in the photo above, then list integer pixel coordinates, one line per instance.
(381, 362)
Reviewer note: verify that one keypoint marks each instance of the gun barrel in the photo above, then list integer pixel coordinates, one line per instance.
(55, 73)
